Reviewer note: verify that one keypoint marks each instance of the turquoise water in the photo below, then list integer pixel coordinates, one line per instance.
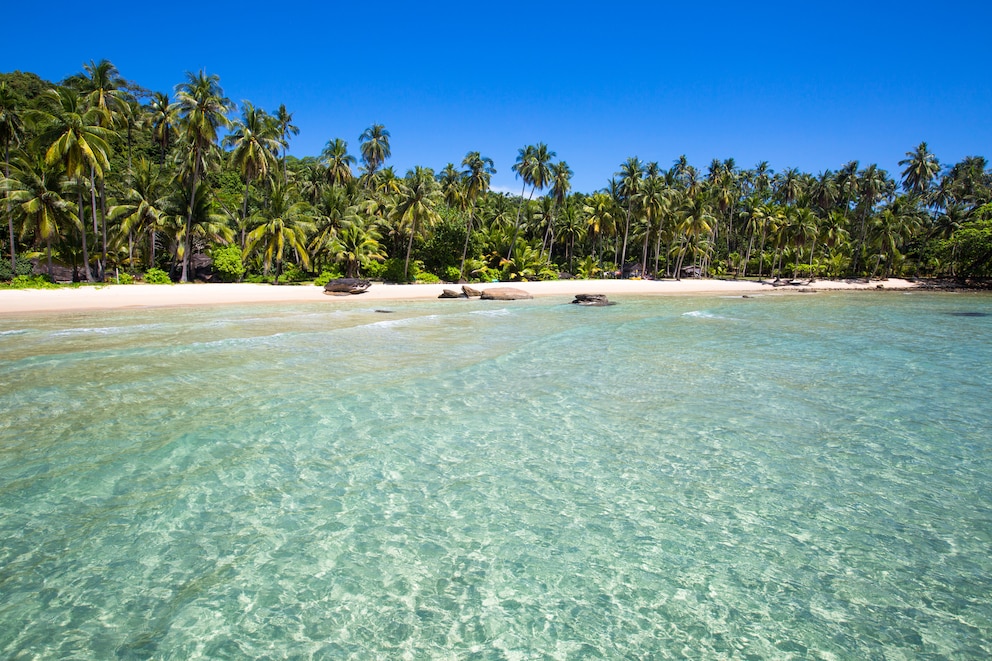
(805, 476)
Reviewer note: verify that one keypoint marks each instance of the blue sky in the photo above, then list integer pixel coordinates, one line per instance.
(806, 85)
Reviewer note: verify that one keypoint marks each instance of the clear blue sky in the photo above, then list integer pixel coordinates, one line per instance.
(806, 85)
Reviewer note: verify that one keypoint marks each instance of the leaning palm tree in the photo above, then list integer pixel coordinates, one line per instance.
(11, 133)
(561, 184)
(143, 205)
(282, 224)
(356, 245)
(255, 139)
(416, 206)
(203, 111)
(375, 149)
(631, 174)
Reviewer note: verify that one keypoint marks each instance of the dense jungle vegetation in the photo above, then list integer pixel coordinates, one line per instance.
(106, 181)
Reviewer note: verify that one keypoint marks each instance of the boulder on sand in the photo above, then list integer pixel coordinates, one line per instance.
(504, 294)
(470, 292)
(451, 293)
(347, 286)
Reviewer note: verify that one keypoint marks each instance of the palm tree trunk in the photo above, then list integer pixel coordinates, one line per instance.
(188, 239)
(10, 214)
(96, 228)
(626, 231)
(516, 224)
(468, 235)
(82, 231)
(409, 249)
(103, 226)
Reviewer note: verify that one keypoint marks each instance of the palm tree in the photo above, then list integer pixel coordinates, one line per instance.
(256, 142)
(162, 118)
(76, 140)
(356, 245)
(921, 171)
(417, 205)
(561, 184)
(477, 175)
(375, 149)
(631, 173)
(697, 223)
(284, 120)
(143, 208)
(599, 209)
(35, 192)
(533, 167)
(283, 223)
(338, 161)
(452, 189)
(203, 110)
(11, 133)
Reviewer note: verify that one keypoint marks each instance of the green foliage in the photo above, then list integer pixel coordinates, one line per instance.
(375, 270)
(451, 274)
(971, 249)
(23, 268)
(327, 276)
(393, 270)
(427, 278)
(30, 282)
(125, 279)
(443, 247)
(228, 264)
(157, 277)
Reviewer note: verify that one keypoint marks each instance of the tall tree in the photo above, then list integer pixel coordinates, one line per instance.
(631, 172)
(11, 133)
(338, 161)
(374, 145)
(162, 117)
(282, 224)
(533, 166)
(255, 141)
(416, 206)
(921, 170)
(478, 174)
(77, 140)
(203, 110)
(284, 120)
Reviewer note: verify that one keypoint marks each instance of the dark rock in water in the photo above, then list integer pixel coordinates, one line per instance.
(347, 286)
(470, 292)
(384, 311)
(505, 294)
(592, 300)
(968, 314)
(451, 293)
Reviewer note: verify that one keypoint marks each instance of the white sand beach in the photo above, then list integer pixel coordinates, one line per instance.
(111, 297)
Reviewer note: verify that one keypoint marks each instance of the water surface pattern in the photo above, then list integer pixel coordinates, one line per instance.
(780, 477)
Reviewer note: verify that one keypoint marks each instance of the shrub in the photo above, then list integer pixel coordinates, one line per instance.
(326, 276)
(31, 282)
(393, 271)
(452, 274)
(157, 277)
(125, 279)
(228, 264)
(428, 279)
(374, 270)
(23, 268)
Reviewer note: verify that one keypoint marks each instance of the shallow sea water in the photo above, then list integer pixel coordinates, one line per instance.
(803, 476)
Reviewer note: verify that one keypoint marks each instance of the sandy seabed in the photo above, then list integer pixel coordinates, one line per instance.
(115, 297)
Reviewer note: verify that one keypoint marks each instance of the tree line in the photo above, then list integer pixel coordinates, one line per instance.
(111, 180)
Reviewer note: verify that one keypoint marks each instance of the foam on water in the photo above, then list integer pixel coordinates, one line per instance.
(536, 481)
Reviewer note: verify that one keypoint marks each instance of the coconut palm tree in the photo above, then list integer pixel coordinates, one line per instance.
(374, 145)
(696, 224)
(533, 167)
(143, 208)
(284, 121)
(76, 140)
(561, 184)
(162, 118)
(921, 170)
(35, 194)
(255, 139)
(417, 205)
(203, 110)
(478, 173)
(356, 245)
(339, 162)
(282, 224)
(631, 173)
(11, 133)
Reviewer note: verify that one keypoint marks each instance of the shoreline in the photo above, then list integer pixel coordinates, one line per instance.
(141, 296)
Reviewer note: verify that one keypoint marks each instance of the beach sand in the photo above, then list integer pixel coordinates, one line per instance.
(114, 297)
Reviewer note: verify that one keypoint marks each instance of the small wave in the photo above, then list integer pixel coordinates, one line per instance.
(13, 332)
(501, 312)
(702, 314)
